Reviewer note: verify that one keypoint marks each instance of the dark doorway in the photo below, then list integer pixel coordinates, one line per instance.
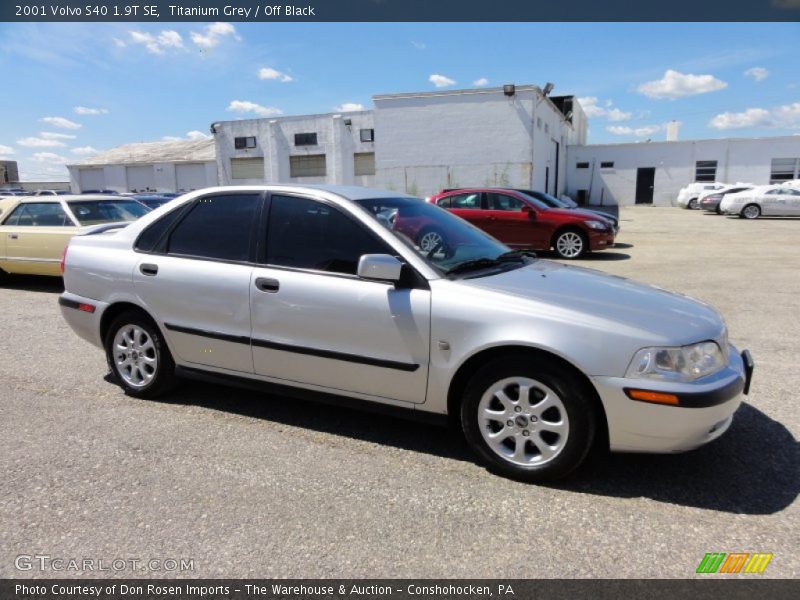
(547, 180)
(645, 178)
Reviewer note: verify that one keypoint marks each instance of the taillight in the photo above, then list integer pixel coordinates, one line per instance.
(64, 258)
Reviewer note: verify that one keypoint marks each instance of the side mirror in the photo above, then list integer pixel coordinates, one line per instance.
(529, 211)
(380, 267)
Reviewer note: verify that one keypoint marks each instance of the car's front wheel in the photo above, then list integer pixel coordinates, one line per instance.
(528, 418)
(138, 356)
(692, 204)
(570, 244)
(751, 211)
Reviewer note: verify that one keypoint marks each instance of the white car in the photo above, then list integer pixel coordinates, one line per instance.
(768, 200)
(321, 291)
(689, 196)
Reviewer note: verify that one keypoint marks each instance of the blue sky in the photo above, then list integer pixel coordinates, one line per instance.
(72, 89)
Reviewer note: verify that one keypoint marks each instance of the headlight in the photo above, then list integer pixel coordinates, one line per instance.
(596, 225)
(685, 363)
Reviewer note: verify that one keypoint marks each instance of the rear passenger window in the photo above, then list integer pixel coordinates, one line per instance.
(149, 239)
(217, 227)
(41, 214)
(503, 202)
(311, 235)
(471, 201)
(444, 202)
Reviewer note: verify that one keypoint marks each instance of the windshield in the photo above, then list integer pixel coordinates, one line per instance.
(94, 212)
(444, 240)
(549, 200)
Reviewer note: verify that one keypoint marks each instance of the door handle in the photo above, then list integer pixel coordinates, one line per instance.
(13, 236)
(266, 284)
(148, 269)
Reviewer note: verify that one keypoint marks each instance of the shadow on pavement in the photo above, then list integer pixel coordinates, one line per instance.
(33, 283)
(753, 469)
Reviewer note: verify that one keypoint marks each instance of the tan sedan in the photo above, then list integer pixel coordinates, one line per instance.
(34, 230)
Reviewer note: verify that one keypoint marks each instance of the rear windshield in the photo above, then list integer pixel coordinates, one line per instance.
(94, 212)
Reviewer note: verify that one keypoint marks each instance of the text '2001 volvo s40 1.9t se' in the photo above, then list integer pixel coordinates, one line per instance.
(323, 291)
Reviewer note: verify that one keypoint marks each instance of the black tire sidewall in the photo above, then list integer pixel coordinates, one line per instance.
(579, 406)
(164, 378)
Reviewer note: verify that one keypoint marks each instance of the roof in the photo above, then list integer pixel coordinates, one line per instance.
(147, 153)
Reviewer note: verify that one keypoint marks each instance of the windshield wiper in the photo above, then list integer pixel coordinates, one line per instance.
(483, 263)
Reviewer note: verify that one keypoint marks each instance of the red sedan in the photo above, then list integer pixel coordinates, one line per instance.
(520, 221)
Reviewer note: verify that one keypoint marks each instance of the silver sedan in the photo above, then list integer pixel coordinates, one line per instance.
(325, 292)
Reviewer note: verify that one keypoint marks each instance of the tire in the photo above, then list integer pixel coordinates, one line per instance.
(692, 204)
(570, 244)
(559, 435)
(138, 356)
(751, 211)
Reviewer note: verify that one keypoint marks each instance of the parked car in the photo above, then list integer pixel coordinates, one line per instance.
(154, 200)
(52, 193)
(768, 200)
(104, 192)
(689, 196)
(34, 230)
(711, 202)
(520, 221)
(554, 202)
(310, 291)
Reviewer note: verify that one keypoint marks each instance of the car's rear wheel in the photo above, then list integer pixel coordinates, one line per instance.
(430, 239)
(528, 418)
(570, 244)
(692, 204)
(138, 356)
(751, 211)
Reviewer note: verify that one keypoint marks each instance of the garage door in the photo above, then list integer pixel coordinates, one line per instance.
(191, 177)
(247, 168)
(141, 179)
(91, 179)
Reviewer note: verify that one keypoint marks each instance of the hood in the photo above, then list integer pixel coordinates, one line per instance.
(610, 301)
(593, 214)
(574, 213)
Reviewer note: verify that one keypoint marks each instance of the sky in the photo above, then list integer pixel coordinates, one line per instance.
(70, 90)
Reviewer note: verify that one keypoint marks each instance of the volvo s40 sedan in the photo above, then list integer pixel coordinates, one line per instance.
(315, 291)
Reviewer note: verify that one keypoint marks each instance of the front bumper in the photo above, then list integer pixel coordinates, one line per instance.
(704, 411)
(600, 240)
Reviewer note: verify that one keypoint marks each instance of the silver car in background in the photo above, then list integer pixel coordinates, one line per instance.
(321, 292)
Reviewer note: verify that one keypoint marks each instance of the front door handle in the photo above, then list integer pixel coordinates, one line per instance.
(266, 284)
(13, 236)
(148, 269)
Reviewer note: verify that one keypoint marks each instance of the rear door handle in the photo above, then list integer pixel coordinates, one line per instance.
(266, 284)
(148, 269)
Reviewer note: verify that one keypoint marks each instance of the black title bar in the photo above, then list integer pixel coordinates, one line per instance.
(397, 10)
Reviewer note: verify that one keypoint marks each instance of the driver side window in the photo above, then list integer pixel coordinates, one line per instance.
(504, 202)
(306, 234)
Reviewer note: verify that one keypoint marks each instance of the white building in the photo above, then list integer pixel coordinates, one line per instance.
(654, 172)
(144, 167)
(418, 143)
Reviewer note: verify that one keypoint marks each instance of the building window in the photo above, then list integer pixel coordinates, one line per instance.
(240, 143)
(247, 168)
(367, 135)
(364, 163)
(305, 139)
(784, 169)
(607, 164)
(539, 122)
(309, 165)
(582, 165)
(705, 170)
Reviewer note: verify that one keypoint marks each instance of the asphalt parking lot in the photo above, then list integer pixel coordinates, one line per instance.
(249, 485)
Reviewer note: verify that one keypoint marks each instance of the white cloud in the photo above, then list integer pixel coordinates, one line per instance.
(84, 151)
(213, 34)
(6, 150)
(84, 110)
(594, 110)
(440, 80)
(195, 135)
(245, 106)
(168, 39)
(637, 132)
(171, 138)
(61, 122)
(349, 107)
(418, 45)
(481, 82)
(35, 142)
(51, 135)
(50, 157)
(119, 43)
(678, 85)
(757, 73)
(274, 75)
(752, 117)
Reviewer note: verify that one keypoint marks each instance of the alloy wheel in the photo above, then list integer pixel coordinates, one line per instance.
(569, 244)
(523, 421)
(430, 240)
(751, 212)
(135, 356)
